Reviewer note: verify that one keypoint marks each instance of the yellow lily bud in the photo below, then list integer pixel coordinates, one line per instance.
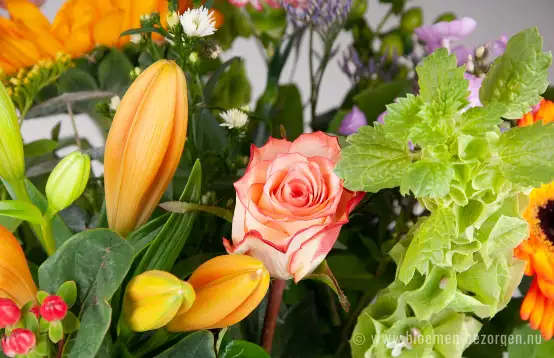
(144, 145)
(16, 282)
(12, 164)
(67, 181)
(228, 288)
(153, 298)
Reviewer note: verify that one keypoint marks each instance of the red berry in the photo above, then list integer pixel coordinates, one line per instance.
(36, 311)
(7, 348)
(9, 313)
(21, 341)
(53, 308)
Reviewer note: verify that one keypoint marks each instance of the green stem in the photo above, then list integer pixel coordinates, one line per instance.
(313, 85)
(383, 21)
(47, 233)
(24, 112)
(181, 208)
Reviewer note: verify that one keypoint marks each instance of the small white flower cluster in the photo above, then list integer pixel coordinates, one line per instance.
(234, 118)
(115, 101)
(198, 22)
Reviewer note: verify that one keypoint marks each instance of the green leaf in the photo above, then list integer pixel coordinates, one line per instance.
(236, 24)
(525, 343)
(165, 249)
(41, 296)
(507, 234)
(68, 292)
(186, 267)
(243, 349)
(350, 272)
(430, 239)
(435, 293)
(21, 210)
(518, 77)
(42, 345)
(196, 345)
(39, 147)
(526, 154)
(472, 149)
(98, 261)
(335, 123)
(427, 179)
(442, 83)
(31, 322)
(481, 119)
(270, 21)
(44, 325)
(114, 71)
(402, 116)
(10, 223)
(288, 112)
(75, 80)
(372, 161)
(233, 88)
(70, 323)
(323, 274)
(374, 101)
(144, 235)
(55, 331)
(214, 79)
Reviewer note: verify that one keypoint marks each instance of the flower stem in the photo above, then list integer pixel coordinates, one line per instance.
(60, 349)
(313, 95)
(74, 125)
(47, 234)
(272, 313)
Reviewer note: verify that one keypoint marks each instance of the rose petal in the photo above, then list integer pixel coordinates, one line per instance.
(269, 151)
(317, 144)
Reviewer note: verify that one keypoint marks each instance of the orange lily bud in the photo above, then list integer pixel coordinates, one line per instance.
(16, 282)
(145, 144)
(153, 298)
(228, 288)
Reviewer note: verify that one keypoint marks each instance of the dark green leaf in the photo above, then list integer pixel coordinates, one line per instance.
(196, 345)
(74, 80)
(70, 323)
(114, 71)
(68, 292)
(233, 88)
(236, 24)
(288, 111)
(39, 147)
(373, 101)
(212, 82)
(526, 341)
(97, 260)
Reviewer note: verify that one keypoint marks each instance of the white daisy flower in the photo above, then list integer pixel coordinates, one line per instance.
(234, 118)
(136, 38)
(114, 103)
(198, 22)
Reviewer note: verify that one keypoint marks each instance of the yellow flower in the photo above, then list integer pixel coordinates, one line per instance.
(16, 282)
(153, 298)
(228, 288)
(145, 144)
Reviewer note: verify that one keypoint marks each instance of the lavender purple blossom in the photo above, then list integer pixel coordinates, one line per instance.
(352, 121)
(323, 15)
(355, 69)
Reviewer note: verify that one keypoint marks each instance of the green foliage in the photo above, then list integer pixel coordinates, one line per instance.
(288, 112)
(21, 210)
(517, 78)
(196, 345)
(373, 101)
(114, 71)
(471, 177)
(243, 349)
(233, 87)
(97, 261)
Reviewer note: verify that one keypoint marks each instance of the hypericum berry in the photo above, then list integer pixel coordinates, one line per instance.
(36, 311)
(21, 341)
(9, 313)
(53, 308)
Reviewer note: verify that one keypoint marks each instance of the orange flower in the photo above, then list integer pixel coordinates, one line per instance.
(538, 249)
(545, 112)
(16, 282)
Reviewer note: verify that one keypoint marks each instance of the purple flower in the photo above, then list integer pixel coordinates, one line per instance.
(462, 54)
(381, 118)
(323, 15)
(444, 32)
(352, 121)
(474, 86)
(498, 47)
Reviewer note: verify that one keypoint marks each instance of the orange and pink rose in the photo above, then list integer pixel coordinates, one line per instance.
(290, 205)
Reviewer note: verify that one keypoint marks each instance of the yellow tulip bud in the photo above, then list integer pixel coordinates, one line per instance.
(16, 282)
(12, 165)
(228, 288)
(153, 298)
(67, 181)
(144, 145)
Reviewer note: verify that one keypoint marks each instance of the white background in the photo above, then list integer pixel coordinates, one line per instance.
(494, 18)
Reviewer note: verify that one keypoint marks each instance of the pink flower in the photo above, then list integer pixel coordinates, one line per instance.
(53, 308)
(20, 341)
(291, 205)
(257, 4)
(474, 87)
(9, 313)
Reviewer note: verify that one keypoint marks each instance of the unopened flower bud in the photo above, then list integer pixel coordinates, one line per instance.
(20, 341)
(228, 288)
(12, 164)
(480, 52)
(172, 19)
(53, 308)
(193, 57)
(153, 298)
(67, 181)
(9, 313)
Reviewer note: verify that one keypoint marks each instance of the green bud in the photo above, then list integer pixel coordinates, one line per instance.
(12, 164)
(392, 45)
(67, 181)
(447, 16)
(411, 19)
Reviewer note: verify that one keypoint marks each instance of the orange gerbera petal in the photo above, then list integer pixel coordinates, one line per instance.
(107, 29)
(547, 324)
(529, 301)
(546, 287)
(545, 113)
(27, 12)
(538, 311)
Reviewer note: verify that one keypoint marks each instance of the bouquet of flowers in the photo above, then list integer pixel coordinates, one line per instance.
(413, 220)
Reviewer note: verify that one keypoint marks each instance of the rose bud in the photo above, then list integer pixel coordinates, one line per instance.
(36, 311)
(10, 314)
(67, 181)
(53, 308)
(144, 145)
(12, 165)
(20, 341)
(291, 205)
(16, 282)
(153, 298)
(228, 288)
